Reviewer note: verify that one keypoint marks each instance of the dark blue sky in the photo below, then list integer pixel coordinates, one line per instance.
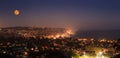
(83, 14)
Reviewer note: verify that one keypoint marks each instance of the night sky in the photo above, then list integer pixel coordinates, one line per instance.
(83, 14)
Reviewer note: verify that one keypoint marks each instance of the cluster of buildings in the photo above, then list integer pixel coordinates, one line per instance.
(36, 32)
(39, 43)
(25, 48)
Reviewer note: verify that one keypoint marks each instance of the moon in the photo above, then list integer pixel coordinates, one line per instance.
(16, 12)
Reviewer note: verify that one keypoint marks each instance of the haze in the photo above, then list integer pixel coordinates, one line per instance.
(82, 14)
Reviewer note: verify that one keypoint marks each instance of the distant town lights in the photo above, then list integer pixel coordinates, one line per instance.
(100, 53)
(69, 31)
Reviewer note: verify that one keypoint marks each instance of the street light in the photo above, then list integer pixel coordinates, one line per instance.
(100, 55)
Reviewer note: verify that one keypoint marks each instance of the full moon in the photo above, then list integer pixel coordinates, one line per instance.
(16, 12)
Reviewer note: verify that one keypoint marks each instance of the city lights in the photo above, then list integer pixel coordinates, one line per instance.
(59, 28)
(33, 41)
(100, 55)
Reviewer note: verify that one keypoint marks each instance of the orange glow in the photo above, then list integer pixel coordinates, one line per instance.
(16, 12)
(69, 31)
(25, 53)
(63, 35)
